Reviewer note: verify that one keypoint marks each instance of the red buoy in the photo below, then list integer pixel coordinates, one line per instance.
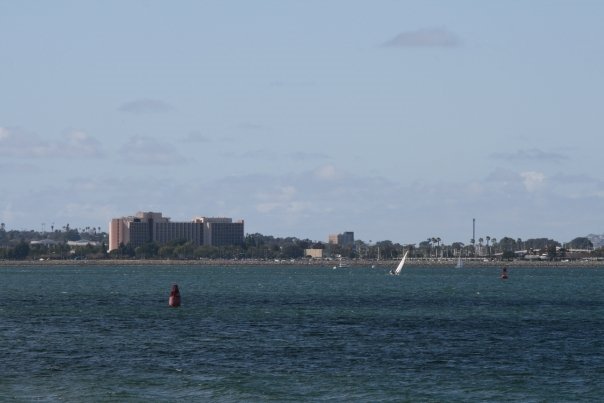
(174, 300)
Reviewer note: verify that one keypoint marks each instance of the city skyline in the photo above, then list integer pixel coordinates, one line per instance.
(399, 120)
(345, 238)
(148, 226)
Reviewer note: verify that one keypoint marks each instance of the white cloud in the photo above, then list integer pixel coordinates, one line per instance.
(425, 37)
(533, 181)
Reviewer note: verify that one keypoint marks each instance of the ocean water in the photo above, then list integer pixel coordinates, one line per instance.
(105, 333)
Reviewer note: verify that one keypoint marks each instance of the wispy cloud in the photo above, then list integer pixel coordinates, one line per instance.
(533, 154)
(8, 169)
(282, 200)
(145, 106)
(566, 179)
(252, 126)
(326, 172)
(283, 83)
(307, 156)
(195, 137)
(327, 199)
(79, 143)
(147, 150)
(15, 142)
(8, 214)
(263, 154)
(425, 37)
(502, 175)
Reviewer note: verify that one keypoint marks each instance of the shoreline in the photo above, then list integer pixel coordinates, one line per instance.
(468, 263)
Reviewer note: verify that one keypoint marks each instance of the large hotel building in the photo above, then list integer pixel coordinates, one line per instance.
(147, 227)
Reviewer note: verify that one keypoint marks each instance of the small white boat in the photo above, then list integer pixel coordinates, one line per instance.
(398, 269)
(340, 265)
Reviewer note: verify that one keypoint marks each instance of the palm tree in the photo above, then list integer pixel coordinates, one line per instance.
(488, 248)
(439, 240)
(410, 248)
(480, 241)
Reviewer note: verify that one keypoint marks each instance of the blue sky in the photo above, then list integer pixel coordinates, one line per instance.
(397, 120)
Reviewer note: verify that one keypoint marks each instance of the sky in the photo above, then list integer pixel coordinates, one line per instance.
(398, 120)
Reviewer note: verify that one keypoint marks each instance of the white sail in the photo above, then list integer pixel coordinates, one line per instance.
(459, 263)
(398, 269)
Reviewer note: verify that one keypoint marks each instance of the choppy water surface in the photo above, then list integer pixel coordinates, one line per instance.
(299, 333)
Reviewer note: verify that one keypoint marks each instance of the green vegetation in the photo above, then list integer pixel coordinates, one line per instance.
(54, 245)
(17, 245)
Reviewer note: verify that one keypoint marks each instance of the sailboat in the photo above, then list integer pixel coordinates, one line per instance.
(398, 269)
(459, 264)
(340, 265)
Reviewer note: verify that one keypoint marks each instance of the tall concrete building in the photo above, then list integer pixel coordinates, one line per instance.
(221, 231)
(345, 239)
(147, 227)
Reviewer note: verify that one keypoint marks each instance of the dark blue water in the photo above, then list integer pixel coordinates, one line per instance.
(299, 333)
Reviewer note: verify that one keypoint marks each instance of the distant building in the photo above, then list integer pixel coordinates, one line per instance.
(314, 253)
(221, 231)
(45, 242)
(83, 242)
(345, 239)
(145, 227)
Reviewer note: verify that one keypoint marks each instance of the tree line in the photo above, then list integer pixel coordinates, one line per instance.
(17, 245)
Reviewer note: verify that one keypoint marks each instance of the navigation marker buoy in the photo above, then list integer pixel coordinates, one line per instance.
(504, 273)
(174, 300)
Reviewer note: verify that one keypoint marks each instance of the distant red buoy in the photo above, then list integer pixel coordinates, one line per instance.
(504, 273)
(174, 300)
